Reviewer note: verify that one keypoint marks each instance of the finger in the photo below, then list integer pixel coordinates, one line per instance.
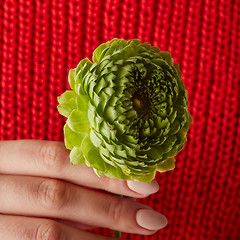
(51, 159)
(42, 197)
(76, 224)
(28, 228)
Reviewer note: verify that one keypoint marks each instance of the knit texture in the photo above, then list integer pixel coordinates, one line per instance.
(41, 40)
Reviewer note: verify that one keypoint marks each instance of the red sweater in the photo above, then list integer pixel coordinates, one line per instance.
(41, 40)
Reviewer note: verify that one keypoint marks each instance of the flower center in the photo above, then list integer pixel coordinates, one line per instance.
(141, 104)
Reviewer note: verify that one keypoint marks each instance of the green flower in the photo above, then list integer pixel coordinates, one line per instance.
(127, 113)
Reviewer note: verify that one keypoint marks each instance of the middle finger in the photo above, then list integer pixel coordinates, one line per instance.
(44, 197)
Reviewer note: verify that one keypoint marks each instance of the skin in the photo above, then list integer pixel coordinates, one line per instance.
(43, 196)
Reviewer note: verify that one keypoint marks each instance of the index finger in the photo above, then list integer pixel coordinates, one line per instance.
(51, 159)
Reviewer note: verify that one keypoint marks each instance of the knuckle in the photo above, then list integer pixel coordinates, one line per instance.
(51, 156)
(52, 194)
(104, 182)
(112, 185)
(115, 210)
(49, 231)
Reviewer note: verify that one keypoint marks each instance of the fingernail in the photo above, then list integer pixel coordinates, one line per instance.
(150, 219)
(143, 188)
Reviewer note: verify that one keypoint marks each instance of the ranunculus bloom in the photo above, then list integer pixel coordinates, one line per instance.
(127, 111)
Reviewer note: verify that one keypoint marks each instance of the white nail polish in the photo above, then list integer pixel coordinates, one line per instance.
(143, 188)
(150, 219)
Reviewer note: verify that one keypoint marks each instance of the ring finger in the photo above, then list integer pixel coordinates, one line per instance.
(19, 227)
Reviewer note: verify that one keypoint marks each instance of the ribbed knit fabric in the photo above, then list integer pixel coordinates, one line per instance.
(41, 40)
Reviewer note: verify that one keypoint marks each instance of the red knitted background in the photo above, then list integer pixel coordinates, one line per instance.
(41, 40)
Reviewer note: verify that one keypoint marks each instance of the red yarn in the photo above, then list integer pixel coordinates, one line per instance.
(41, 40)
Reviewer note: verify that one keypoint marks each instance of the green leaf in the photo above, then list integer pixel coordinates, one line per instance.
(78, 122)
(76, 156)
(73, 138)
(91, 153)
(112, 49)
(67, 95)
(169, 143)
(97, 52)
(175, 127)
(130, 50)
(95, 139)
(67, 107)
(147, 178)
(168, 164)
(155, 153)
(167, 57)
(135, 41)
(82, 69)
(115, 172)
(71, 78)
(82, 103)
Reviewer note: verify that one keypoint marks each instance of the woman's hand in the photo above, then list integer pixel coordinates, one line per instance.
(43, 196)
